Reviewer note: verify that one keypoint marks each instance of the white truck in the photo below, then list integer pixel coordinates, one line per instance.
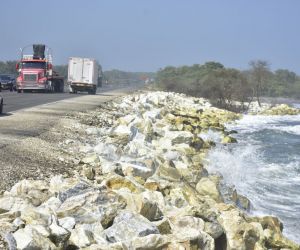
(84, 74)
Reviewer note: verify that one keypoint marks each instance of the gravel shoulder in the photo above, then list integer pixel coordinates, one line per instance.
(29, 138)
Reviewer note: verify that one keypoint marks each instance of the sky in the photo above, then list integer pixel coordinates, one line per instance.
(146, 35)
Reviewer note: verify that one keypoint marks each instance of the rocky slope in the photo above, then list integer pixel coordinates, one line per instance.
(139, 183)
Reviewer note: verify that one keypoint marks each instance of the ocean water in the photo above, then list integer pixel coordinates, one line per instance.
(265, 166)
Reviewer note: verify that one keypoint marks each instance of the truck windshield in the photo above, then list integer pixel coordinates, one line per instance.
(33, 65)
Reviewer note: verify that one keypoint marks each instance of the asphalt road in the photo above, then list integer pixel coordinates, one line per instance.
(14, 101)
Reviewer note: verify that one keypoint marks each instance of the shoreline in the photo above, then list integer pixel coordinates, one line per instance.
(165, 183)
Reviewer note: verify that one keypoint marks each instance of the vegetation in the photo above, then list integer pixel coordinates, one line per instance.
(8, 67)
(122, 77)
(224, 86)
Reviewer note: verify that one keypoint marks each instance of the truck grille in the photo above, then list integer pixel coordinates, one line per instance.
(30, 77)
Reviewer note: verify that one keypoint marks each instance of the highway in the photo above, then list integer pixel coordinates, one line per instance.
(14, 101)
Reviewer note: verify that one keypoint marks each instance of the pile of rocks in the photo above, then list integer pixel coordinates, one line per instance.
(139, 183)
(281, 109)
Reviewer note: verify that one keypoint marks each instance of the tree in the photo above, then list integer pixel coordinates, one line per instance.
(260, 72)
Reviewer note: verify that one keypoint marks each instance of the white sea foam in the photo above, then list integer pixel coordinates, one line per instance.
(251, 123)
(270, 181)
(211, 135)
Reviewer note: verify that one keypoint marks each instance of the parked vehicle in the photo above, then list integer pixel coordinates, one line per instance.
(84, 74)
(1, 104)
(6, 82)
(36, 71)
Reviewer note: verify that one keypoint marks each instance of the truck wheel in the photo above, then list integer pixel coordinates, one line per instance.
(62, 86)
(92, 91)
(72, 90)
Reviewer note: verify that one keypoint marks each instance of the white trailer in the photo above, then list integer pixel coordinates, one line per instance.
(83, 75)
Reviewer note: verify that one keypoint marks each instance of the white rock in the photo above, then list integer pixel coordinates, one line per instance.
(67, 223)
(81, 237)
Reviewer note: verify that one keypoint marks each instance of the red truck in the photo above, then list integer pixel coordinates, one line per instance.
(35, 71)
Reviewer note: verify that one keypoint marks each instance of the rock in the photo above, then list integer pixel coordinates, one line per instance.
(177, 198)
(80, 237)
(34, 190)
(187, 222)
(53, 204)
(239, 233)
(11, 242)
(178, 137)
(122, 133)
(12, 203)
(92, 206)
(107, 151)
(59, 184)
(91, 159)
(139, 170)
(163, 226)
(59, 235)
(19, 223)
(149, 242)
(79, 188)
(151, 185)
(35, 216)
(67, 223)
(116, 182)
(207, 187)
(88, 172)
(150, 210)
(168, 173)
(128, 225)
(192, 239)
(243, 202)
(214, 229)
(29, 238)
(281, 109)
(228, 139)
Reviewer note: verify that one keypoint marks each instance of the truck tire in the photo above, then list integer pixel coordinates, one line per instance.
(62, 87)
(93, 91)
(72, 90)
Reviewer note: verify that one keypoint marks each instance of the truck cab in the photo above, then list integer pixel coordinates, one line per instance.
(35, 72)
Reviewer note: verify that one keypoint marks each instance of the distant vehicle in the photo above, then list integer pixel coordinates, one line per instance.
(1, 104)
(36, 71)
(6, 82)
(84, 74)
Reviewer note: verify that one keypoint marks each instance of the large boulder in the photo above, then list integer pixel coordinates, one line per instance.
(208, 187)
(92, 206)
(128, 225)
(30, 238)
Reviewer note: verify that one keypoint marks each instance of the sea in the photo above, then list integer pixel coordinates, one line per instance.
(264, 166)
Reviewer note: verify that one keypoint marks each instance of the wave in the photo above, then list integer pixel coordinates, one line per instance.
(271, 183)
(254, 123)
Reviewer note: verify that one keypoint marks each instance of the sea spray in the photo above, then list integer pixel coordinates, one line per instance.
(265, 166)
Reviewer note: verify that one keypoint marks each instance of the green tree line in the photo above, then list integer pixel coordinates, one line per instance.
(224, 86)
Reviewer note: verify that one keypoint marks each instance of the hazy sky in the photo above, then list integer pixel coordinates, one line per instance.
(140, 35)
